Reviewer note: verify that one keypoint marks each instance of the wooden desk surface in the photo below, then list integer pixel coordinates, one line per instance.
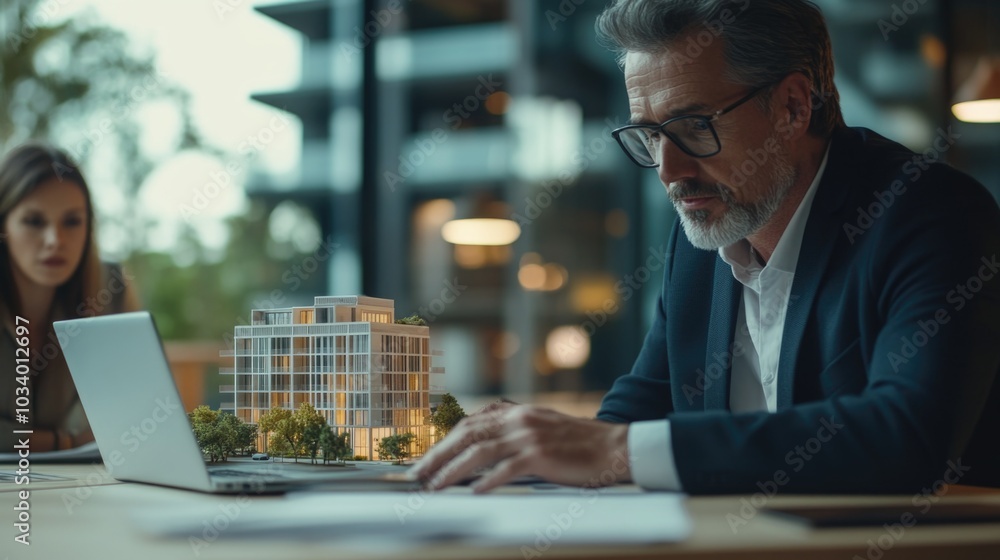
(89, 518)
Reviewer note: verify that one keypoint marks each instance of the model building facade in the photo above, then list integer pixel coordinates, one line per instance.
(346, 357)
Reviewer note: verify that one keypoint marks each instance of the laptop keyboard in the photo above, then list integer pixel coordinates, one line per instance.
(243, 474)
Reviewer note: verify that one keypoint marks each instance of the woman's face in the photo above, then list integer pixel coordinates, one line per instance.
(46, 233)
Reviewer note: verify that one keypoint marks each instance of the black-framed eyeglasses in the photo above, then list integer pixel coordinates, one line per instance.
(693, 134)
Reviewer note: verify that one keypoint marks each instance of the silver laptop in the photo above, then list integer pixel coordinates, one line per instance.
(141, 428)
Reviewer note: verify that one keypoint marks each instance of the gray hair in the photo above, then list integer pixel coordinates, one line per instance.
(764, 41)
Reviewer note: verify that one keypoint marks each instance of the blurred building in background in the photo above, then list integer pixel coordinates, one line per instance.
(455, 157)
(421, 116)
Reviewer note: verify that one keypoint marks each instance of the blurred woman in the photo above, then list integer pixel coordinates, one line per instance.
(50, 270)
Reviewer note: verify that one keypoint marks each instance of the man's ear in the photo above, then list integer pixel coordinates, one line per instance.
(793, 99)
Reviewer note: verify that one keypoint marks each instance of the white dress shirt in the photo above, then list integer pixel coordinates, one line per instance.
(759, 328)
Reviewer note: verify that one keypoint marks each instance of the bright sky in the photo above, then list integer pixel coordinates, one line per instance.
(221, 51)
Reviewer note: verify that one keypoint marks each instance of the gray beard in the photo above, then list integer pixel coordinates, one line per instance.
(738, 220)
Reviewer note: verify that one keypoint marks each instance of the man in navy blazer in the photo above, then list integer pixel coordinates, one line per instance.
(829, 319)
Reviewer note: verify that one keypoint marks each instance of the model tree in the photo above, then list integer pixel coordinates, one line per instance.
(447, 415)
(289, 432)
(220, 434)
(311, 439)
(334, 446)
(310, 423)
(269, 424)
(342, 447)
(203, 422)
(412, 320)
(395, 447)
(246, 435)
(279, 447)
(269, 421)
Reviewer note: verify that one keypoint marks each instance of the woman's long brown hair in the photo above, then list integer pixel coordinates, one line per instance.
(22, 170)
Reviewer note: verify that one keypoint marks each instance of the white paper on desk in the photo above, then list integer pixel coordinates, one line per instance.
(340, 515)
(582, 517)
(520, 520)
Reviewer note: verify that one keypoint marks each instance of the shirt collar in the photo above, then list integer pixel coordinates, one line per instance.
(786, 253)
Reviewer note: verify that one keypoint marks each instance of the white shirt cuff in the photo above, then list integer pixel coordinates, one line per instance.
(651, 455)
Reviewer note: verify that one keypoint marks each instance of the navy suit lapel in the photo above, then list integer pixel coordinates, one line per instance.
(721, 329)
(823, 229)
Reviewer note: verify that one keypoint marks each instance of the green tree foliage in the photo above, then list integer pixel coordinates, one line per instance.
(412, 320)
(447, 415)
(395, 447)
(279, 447)
(293, 433)
(311, 425)
(268, 422)
(252, 271)
(220, 434)
(311, 440)
(268, 426)
(289, 432)
(81, 85)
(334, 446)
(246, 435)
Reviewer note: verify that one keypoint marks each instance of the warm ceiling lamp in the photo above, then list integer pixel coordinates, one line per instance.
(978, 100)
(481, 220)
(481, 231)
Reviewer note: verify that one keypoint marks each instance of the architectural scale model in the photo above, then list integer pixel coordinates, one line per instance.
(346, 356)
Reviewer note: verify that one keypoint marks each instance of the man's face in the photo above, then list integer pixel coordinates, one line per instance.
(718, 202)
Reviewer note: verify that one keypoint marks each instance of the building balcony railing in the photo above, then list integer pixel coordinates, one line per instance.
(313, 388)
(302, 329)
(227, 388)
(227, 370)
